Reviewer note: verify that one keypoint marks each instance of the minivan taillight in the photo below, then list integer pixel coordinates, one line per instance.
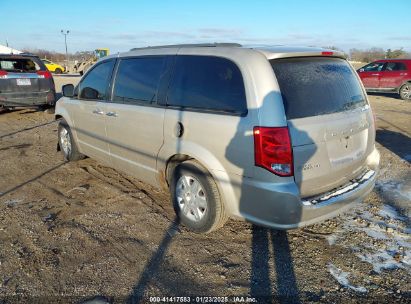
(3, 74)
(44, 74)
(272, 150)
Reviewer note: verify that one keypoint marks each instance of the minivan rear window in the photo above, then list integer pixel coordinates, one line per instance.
(312, 86)
(207, 83)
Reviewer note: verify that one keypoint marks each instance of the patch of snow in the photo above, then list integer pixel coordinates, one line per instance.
(342, 278)
(395, 188)
(387, 243)
(381, 260)
(375, 233)
(390, 212)
(332, 239)
(12, 202)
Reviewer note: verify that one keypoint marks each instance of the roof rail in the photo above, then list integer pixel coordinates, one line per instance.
(215, 44)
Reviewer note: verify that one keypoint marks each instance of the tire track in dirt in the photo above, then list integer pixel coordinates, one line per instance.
(158, 202)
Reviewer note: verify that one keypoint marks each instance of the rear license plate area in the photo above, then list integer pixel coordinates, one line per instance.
(23, 82)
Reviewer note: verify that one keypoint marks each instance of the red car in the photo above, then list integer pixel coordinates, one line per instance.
(388, 76)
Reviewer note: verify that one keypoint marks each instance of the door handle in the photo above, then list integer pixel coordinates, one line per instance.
(98, 111)
(179, 129)
(113, 114)
(375, 74)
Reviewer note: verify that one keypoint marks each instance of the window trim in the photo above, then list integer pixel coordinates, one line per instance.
(205, 110)
(107, 93)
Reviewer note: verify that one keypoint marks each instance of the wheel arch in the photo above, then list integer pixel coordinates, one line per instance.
(404, 82)
(61, 114)
(220, 177)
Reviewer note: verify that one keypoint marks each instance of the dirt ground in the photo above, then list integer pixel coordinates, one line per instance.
(81, 232)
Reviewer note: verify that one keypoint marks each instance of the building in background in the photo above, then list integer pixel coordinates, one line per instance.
(8, 50)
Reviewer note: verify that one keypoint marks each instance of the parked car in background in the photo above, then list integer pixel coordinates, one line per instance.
(25, 82)
(53, 67)
(388, 76)
(282, 137)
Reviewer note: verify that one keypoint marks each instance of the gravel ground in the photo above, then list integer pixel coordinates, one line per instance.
(82, 232)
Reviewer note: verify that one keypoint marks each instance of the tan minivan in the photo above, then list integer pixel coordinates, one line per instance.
(281, 137)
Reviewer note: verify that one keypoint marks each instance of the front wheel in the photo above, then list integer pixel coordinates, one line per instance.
(196, 198)
(67, 144)
(58, 71)
(405, 91)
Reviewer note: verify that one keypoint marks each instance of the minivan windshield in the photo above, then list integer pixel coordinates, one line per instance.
(312, 86)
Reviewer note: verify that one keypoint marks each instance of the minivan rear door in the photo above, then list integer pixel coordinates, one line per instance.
(329, 119)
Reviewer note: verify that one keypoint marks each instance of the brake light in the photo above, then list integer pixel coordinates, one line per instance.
(44, 74)
(272, 150)
(327, 53)
(3, 74)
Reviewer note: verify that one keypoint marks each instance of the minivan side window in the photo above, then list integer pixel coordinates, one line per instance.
(138, 79)
(94, 85)
(207, 83)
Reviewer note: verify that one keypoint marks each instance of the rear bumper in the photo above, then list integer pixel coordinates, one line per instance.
(27, 99)
(279, 206)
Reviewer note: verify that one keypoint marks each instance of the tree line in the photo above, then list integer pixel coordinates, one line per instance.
(361, 55)
(372, 54)
(58, 57)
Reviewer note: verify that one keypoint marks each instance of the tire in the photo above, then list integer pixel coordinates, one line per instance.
(67, 144)
(58, 71)
(204, 214)
(44, 107)
(405, 91)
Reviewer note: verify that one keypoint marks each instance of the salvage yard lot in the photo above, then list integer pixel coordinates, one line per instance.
(74, 231)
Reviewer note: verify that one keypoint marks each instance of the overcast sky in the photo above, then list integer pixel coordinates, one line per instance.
(121, 25)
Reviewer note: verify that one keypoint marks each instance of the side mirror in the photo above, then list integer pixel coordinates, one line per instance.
(361, 70)
(68, 90)
(89, 93)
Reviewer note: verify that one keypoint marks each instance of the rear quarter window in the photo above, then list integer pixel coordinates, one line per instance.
(207, 83)
(313, 86)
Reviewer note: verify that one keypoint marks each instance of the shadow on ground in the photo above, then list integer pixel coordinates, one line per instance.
(390, 139)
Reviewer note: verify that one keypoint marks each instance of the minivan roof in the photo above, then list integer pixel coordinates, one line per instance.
(270, 52)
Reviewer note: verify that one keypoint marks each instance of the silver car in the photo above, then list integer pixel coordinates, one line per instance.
(281, 137)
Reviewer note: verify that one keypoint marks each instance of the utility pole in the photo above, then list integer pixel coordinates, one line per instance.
(65, 33)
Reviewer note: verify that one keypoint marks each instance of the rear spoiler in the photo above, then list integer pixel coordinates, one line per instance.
(321, 53)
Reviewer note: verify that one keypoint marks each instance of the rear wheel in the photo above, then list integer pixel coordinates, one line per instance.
(67, 144)
(405, 91)
(58, 71)
(196, 198)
